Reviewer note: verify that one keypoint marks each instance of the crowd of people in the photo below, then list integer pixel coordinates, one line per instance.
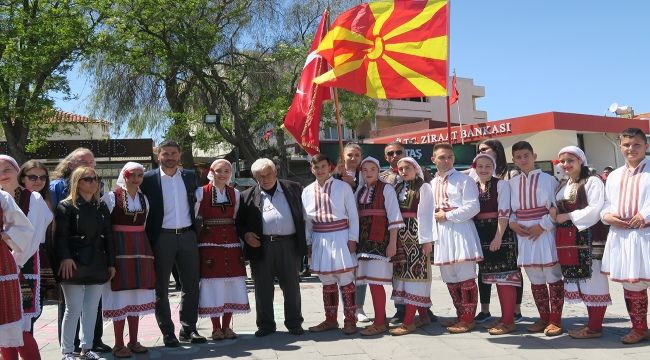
(111, 254)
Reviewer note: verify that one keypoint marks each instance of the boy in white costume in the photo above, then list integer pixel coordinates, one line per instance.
(332, 232)
(458, 247)
(627, 210)
(532, 195)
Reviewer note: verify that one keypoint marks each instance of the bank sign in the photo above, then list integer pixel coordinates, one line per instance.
(468, 133)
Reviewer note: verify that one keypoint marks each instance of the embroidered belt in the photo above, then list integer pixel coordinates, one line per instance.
(531, 214)
(446, 209)
(372, 212)
(218, 221)
(128, 228)
(487, 215)
(330, 226)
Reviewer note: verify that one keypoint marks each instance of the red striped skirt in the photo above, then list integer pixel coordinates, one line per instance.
(134, 261)
(10, 302)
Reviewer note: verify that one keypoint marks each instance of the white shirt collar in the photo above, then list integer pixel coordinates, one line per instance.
(162, 173)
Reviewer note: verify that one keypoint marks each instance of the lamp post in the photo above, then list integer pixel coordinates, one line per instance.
(214, 119)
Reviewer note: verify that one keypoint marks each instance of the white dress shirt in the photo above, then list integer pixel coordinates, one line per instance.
(175, 206)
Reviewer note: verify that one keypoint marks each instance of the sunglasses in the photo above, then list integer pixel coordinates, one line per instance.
(393, 153)
(89, 179)
(36, 177)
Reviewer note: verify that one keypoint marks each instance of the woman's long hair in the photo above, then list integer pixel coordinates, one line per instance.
(501, 169)
(75, 177)
(35, 164)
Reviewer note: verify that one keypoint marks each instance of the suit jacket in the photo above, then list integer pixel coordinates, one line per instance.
(249, 217)
(152, 188)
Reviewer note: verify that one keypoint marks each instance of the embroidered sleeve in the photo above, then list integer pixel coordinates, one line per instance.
(590, 215)
(426, 221)
(470, 205)
(503, 199)
(393, 213)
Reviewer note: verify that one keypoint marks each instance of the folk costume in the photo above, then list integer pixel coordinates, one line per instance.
(223, 273)
(411, 267)
(379, 213)
(39, 214)
(532, 195)
(498, 267)
(627, 251)
(131, 293)
(331, 220)
(458, 247)
(580, 244)
(14, 252)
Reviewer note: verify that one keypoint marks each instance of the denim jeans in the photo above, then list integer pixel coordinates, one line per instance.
(80, 301)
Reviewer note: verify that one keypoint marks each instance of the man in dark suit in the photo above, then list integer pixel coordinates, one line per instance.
(170, 229)
(270, 220)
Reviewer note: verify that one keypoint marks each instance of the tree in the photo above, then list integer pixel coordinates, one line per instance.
(40, 42)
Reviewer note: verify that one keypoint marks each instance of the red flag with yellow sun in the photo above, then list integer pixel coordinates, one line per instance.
(389, 49)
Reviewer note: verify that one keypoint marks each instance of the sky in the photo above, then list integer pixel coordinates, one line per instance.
(532, 56)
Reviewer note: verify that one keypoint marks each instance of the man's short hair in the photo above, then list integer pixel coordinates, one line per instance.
(522, 145)
(260, 164)
(169, 143)
(608, 168)
(394, 143)
(442, 145)
(320, 157)
(633, 132)
(352, 145)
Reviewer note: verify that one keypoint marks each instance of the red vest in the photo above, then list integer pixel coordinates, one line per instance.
(121, 214)
(10, 304)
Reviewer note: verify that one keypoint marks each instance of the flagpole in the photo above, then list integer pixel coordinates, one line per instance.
(447, 72)
(460, 121)
(339, 125)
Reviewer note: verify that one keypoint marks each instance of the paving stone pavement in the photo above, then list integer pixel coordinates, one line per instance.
(429, 342)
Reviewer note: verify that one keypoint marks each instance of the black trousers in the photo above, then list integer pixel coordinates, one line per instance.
(485, 290)
(280, 260)
(182, 250)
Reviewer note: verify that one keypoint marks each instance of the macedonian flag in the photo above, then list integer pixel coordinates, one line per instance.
(389, 49)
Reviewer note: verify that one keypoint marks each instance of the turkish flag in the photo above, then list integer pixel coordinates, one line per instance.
(303, 118)
(454, 91)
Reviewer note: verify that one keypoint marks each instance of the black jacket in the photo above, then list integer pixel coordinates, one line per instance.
(78, 229)
(152, 188)
(249, 217)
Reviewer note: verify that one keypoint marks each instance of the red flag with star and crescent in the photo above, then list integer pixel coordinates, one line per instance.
(303, 118)
(389, 49)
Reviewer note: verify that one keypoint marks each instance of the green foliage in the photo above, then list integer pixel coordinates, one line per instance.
(40, 42)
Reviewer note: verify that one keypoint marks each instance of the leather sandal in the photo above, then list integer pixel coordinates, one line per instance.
(539, 326)
(461, 327)
(403, 330)
(324, 326)
(217, 335)
(449, 322)
(422, 321)
(122, 352)
(350, 328)
(553, 330)
(634, 336)
(374, 330)
(229, 334)
(502, 329)
(584, 333)
(137, 348)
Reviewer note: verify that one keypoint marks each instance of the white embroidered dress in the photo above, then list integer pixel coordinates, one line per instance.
(331, 220)
(458, 241)
(373, 268)
(531, 196)
(627, 251)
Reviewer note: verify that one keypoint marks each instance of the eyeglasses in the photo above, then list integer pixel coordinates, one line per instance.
(36, 177)
(90, 179)
(394, 153)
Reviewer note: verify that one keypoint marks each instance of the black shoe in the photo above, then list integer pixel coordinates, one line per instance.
(191, 336)
(170, 340)
(482, 317)
(432, 317)
(100, 347)
(265, 332)
(518, 318)
(294, 331)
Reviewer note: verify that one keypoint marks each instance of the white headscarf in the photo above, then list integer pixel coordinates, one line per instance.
(411, 160)
(485, 155)
(128, 167)
(214, 165)
(11, 161)
(362, 180)
(576, 151)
